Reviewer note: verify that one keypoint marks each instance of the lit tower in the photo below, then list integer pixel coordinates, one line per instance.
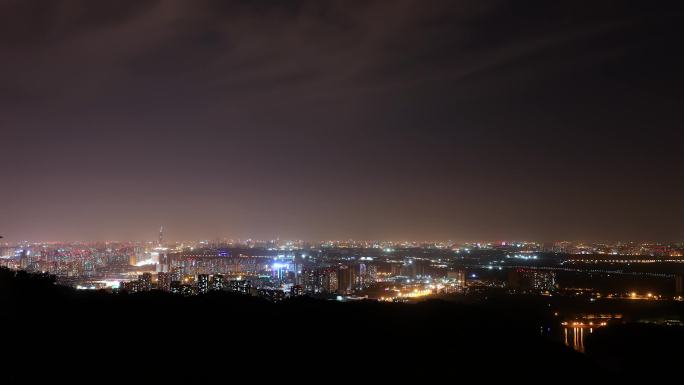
(162, 257)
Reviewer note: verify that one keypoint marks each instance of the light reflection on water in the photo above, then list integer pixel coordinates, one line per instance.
(574, 337)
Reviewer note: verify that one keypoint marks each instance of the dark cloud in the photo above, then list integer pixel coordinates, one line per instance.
(438, 119)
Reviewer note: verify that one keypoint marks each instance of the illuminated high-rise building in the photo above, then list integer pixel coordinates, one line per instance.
(145, 281)
(367, 275)
(177, 274)
(217, 282)
(536, 280)
(138, 255)
(164, 281)
(240, 286)
(279, 271)
(330, 282)
(163, 264)
(25, 259)
(360, 278)
(544, 280)
(346, 278)
(396, 269)
(203, 283)
(310, 280)
(372, 273)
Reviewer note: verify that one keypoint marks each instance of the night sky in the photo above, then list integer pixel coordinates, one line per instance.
(462, 120)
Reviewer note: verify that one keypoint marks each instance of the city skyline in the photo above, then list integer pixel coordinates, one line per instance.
(335, 120)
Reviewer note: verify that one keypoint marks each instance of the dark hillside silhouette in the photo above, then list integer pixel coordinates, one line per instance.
(85, 334)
